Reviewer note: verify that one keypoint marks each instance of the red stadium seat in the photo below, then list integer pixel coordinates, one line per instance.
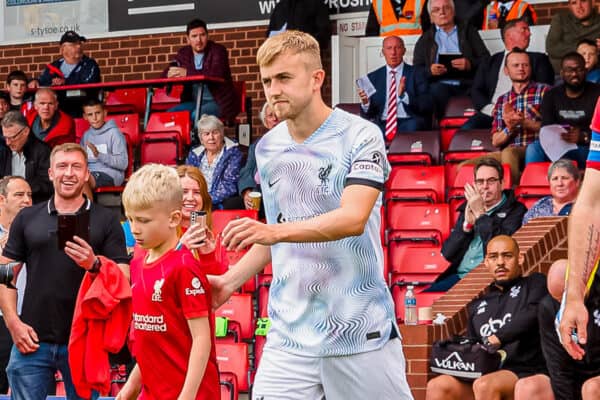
(410, 148)
(81, 125)
(129, 100)
(409, 260)
(160, 148)
(171, 129)
(466, 145)
(238, 310)
(229, 386)
(534, 183)
(233, 358)
(458, 110)
(162, 101)
(408, 183)
(419, 218)
(220, 218)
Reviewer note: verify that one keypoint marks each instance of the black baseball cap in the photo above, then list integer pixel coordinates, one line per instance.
(71, 37)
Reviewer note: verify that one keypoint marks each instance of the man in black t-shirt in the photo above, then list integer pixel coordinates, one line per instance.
(504, 318)
(570, 105)
(41, 333)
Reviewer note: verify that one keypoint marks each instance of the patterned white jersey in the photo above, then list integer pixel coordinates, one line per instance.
(327, 298)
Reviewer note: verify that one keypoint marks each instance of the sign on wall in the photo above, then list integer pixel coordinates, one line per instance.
(144, 14)
(39, 19)
(47, 20)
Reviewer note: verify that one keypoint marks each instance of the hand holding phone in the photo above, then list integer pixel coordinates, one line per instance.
(70, 225)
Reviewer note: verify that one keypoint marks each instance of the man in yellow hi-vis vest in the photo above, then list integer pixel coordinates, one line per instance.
(394, 18)
(497, 13)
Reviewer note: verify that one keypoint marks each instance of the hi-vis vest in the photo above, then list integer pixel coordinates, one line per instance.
(517, 10)
(407, 24)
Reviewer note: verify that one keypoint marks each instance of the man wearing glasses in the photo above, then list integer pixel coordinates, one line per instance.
(487, 212)
(25, 155)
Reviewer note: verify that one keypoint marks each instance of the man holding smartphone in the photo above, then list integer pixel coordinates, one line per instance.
(570, 105)
(41, 333)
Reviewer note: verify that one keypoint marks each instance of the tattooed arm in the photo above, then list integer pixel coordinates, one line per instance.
(584, 246)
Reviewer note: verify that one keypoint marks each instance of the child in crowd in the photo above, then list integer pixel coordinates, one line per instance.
(106, 147)
(173, 324)
(16, 84)
(588, 49)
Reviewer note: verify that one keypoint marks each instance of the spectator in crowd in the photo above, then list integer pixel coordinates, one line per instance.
(47, 122)
(323, 172)
(446, 37)
(589, 51)
(25, 155)
(469, 12)
(198, 238)
(16, 84)
(394, 18)
(570, 379)
(15, 194)
(504, 318)
(179, 361)
(310, 16)
(218, 157)
(491, 81)
(4, 104)
(499, 12)
(42, 331)
(248, 181)
(564, 180)
(408, 99)
(105, 145)
(568, 28)
(516, 115)
(204, 57)
(72, 68)
(570, 105)
(487, 212)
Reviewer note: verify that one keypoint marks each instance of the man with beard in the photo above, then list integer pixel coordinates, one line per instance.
(41, 333)
(504, 317)
(516, 118)
(570, 105)
(488, 211)
(490, 80)
(569, 27)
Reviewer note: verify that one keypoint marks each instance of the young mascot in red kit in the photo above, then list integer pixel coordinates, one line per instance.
(172, 318)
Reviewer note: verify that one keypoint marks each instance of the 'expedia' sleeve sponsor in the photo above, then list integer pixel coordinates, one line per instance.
(191, 289)
(369, 165)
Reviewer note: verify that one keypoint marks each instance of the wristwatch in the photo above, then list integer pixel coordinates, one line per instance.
(95, 266)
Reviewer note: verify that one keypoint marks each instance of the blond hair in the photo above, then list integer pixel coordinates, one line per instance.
(291, 42)
(68, 148)
(151, 184)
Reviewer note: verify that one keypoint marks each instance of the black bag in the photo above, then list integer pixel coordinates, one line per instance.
(464, 358)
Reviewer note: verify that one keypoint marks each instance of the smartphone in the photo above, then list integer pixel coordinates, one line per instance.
(198, 217)
(70, 225)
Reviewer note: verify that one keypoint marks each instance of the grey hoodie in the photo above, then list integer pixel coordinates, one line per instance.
(112, 148)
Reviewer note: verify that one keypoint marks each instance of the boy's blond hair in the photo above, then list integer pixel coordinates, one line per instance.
(290, 42)
(151, 184)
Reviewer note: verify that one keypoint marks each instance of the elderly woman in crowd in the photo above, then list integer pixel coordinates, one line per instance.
(249, 174)
(564, 179)
(218, 158)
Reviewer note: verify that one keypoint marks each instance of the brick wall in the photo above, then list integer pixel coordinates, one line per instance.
(542, 241)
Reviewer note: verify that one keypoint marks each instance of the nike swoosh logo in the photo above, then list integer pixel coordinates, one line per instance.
(271, 183)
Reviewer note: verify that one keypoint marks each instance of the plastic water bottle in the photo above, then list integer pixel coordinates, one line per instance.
(410, 306)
